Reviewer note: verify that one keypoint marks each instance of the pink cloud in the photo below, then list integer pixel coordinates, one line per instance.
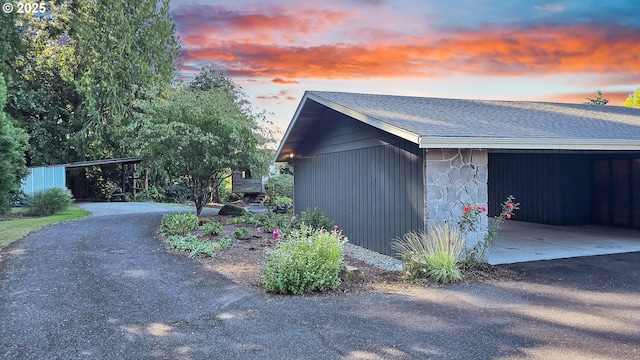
(197, 25)
(283, 94)
(284, 82)
(574, 49)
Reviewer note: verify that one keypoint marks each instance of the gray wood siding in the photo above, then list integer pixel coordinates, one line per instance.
(374, 194)
(551, 188)
(336, 132)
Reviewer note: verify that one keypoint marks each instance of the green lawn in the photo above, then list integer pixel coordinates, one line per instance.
(12, 230)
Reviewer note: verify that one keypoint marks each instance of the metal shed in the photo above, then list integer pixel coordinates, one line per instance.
(43, 178)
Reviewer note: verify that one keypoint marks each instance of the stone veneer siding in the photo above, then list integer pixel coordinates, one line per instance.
(455, 178)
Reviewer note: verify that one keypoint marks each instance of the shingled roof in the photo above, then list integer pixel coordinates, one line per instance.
(458, 123)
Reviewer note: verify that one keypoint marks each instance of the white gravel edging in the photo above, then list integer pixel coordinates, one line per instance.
(376, 259)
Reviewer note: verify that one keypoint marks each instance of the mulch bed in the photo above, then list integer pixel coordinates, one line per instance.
(14, 216)
(244, 260)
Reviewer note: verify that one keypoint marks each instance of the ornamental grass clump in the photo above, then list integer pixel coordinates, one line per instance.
(48, 202)
(305, 260)
(435, 255)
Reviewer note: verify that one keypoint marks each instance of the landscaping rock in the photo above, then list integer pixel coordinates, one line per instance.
(232, 210)
(351, 273)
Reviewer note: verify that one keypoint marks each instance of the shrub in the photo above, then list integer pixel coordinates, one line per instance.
(283, 205)
(279, 186)
(242, 233)
(435, 255)
(212, 229)
(223, 244)
(305, 260)
(177, 192)
(246, 218)
(49, 202)
(224, 191)
(154, 194)
(19, 198)
(178, 223)
(316, 219)
(190, 243)
(284, 201)
(270, 222)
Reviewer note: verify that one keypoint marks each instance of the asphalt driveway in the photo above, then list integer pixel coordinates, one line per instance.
(104, 288)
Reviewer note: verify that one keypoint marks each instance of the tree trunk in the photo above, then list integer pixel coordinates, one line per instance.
(199, 200)
(215, 195)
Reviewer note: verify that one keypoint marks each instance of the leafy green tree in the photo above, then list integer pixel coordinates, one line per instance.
(598, 100)
(125, 47)
(44, 102)
(211, 77)
(13, 144)
(633, 100)
(78, 69)
(10, 46)
(200, 137)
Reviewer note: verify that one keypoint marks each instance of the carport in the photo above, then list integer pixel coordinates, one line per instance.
(128, 173)
(520, 241)
(383, 165)
(573, 203)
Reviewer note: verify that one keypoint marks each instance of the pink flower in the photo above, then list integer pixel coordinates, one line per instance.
(293, 218)
(466, 208)
(510, 205)
(259, 230)
(276, 234)
(336, 228)
(422, 262)
(508, 216)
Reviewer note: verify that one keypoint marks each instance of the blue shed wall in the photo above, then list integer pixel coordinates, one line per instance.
(43, 178)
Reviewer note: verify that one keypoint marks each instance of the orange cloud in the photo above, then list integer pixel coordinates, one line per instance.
(559, 50)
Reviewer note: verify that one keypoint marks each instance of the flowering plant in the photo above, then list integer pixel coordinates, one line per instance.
(469, 222)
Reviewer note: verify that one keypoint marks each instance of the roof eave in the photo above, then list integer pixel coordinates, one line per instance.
(402, 133)
(533, 144)
(291, 124)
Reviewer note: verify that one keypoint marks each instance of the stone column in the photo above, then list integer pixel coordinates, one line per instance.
(455, 178)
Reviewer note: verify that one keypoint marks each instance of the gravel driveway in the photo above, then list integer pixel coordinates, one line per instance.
(104, 288)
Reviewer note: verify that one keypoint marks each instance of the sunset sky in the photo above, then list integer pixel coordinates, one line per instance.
(560, 51)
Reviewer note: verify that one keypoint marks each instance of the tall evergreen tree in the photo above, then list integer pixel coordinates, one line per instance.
(78, 70)
(125, 47)
(44, 97)
(13, 144)
(598, 100)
